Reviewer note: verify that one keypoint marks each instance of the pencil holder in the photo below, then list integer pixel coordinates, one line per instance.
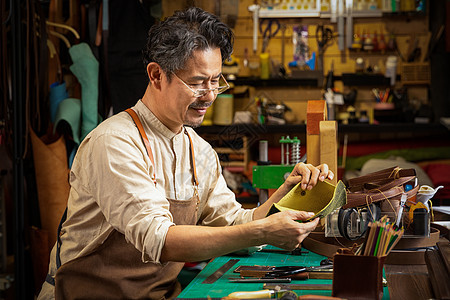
(358, 276)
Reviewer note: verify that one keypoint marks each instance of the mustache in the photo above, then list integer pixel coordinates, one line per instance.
(200, 104)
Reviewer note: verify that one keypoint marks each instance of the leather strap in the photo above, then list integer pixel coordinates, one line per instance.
(392, 192)
(379, 177)
(138, 123)
(193, 160)
(381, 185)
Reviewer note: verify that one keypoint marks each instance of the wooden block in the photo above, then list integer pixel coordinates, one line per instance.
(313, 149)
(316, 111)
(328, 146)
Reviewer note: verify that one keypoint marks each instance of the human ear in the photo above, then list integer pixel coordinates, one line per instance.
(154, 73)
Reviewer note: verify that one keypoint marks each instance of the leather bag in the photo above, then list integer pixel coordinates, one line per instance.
(388, 184)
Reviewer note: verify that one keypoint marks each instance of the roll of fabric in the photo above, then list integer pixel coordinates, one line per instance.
(50, 164)
(57, 94)
(69, 110)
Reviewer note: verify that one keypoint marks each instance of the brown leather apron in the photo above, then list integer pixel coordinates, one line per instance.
(116, 271)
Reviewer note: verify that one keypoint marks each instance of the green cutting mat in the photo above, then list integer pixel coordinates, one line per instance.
(222, 288)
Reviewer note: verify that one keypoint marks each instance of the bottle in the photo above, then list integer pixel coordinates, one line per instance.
(357, 44)
(381, 43)
(265, 65)
(375, 41)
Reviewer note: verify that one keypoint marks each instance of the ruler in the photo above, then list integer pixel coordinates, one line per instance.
(220, 271)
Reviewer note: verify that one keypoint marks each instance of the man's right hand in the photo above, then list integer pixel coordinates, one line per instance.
(282, 229)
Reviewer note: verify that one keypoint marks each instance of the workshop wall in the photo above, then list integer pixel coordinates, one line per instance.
(409, 32)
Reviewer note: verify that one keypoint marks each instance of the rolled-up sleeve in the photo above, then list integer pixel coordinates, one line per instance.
(221, 207)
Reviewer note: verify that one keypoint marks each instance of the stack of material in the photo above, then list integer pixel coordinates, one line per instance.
(438, 265)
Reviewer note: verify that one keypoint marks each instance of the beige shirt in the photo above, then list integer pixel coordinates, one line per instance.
(112, 188)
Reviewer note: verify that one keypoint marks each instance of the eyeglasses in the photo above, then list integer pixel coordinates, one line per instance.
(202, 92)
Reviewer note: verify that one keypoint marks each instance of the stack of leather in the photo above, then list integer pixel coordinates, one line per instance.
(438, 265)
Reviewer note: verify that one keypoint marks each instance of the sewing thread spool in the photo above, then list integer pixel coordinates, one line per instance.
(263, 151)
(223, 109)
(295, 151)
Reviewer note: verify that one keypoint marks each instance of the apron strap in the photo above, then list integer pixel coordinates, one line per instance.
(51, 279)
(138, 123)
(194, 169)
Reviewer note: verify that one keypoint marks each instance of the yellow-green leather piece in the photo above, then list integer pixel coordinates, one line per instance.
(322, 199)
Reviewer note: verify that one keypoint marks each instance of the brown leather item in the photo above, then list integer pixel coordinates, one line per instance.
(139, 126)
(357, 276)
(328, 246)
(387, 184)
(115, 269)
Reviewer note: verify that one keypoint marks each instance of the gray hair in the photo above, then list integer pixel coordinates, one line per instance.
(171, 43)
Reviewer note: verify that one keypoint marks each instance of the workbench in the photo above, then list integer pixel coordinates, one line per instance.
(403, 281)
(222, 287)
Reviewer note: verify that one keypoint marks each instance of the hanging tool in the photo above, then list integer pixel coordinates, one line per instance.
(333, 9)
(349, 24)
(254, 8)
(282, 69)
(340, 25)
(268, 28)
(324, 37)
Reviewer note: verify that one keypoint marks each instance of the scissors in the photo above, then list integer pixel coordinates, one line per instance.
(272, 26)
(278, 272)
(324, 37)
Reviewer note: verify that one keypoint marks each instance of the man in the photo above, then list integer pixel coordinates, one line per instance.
(136, 198)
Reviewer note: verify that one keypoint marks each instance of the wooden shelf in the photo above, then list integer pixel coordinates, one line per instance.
(254, 129)
(277, 82)
(237, 157)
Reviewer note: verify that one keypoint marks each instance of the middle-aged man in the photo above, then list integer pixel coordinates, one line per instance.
(142, 203)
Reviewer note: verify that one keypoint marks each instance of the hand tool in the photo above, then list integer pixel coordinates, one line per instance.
(277, 272)
(323, 36)
(265, 274)
(259, 280)
(340, 25)
(272, 26)
(220, 271)
(400, 211)
(349, 23)
(297, 251)
(297, 286)
(259, 294)
(254, 8)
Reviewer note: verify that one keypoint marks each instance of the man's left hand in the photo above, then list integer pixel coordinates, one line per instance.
(308, 175)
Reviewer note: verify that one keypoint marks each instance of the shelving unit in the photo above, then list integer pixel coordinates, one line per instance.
(232, 148)
(433, 129)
